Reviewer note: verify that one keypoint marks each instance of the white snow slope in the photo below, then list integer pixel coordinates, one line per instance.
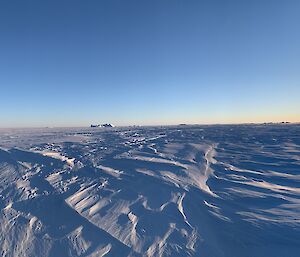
(208, 191)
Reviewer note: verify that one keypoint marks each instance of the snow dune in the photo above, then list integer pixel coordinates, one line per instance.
(208, 191)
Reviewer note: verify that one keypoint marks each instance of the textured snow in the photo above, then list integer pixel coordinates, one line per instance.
(210, 191)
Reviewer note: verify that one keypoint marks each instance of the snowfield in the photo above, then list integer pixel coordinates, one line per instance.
(211, 191)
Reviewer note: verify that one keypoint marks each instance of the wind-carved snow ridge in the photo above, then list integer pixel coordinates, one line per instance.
(211, 191)
(208, 171)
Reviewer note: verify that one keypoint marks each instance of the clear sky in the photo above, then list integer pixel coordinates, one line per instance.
(73, 63)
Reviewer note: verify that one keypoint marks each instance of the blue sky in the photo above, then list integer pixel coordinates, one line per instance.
(72, 63)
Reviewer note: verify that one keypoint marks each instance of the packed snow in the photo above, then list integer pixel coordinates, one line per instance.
(211, 191)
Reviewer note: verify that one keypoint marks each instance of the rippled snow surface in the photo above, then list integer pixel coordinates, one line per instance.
(206, 191)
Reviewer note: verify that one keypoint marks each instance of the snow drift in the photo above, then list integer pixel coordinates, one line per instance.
(207, 191)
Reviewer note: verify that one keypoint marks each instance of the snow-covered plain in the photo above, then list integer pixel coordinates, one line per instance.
(206, 191)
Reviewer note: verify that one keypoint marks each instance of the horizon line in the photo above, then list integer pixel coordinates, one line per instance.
(160, 125)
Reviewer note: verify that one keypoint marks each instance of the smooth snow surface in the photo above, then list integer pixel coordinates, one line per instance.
(208, 191)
